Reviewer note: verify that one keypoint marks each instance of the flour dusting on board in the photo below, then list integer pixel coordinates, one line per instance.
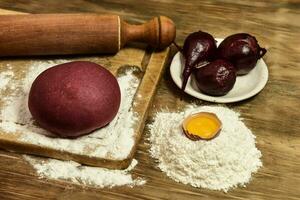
(5, 77)
(222, 163)
(79, 174)
(115, 140)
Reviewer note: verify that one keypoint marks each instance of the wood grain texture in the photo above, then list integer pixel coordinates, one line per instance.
(272, 115)
(49, 34)
(148, 73)
(159, 32)
(25, 35)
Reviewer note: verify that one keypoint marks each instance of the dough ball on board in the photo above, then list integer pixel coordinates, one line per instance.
(75, 98)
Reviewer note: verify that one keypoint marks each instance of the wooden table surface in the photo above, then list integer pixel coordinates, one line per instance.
(272, 115)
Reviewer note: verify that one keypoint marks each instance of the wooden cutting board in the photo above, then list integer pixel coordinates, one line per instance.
(150, 65)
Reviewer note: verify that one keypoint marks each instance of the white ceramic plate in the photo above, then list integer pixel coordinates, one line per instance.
(245, 86)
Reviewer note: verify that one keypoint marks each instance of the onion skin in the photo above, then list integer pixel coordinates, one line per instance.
(199, 48)
(242, 50)
(217, 78)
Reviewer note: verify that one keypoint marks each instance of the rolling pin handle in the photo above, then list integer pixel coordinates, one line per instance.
(159, 32)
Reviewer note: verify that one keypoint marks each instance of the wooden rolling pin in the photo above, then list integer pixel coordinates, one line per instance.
(53, 34)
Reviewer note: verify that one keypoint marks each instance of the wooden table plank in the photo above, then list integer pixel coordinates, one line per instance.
(272, 115)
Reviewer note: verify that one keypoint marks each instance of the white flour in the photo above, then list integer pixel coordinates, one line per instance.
(114, 141)
(5, 77)
(219, 164)
(84, 175)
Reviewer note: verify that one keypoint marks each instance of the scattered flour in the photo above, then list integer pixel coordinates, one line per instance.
(115, 140)
(84, 175)
(219, 164)
(5, 77)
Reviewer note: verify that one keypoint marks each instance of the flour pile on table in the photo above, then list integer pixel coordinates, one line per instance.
(218, 164)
